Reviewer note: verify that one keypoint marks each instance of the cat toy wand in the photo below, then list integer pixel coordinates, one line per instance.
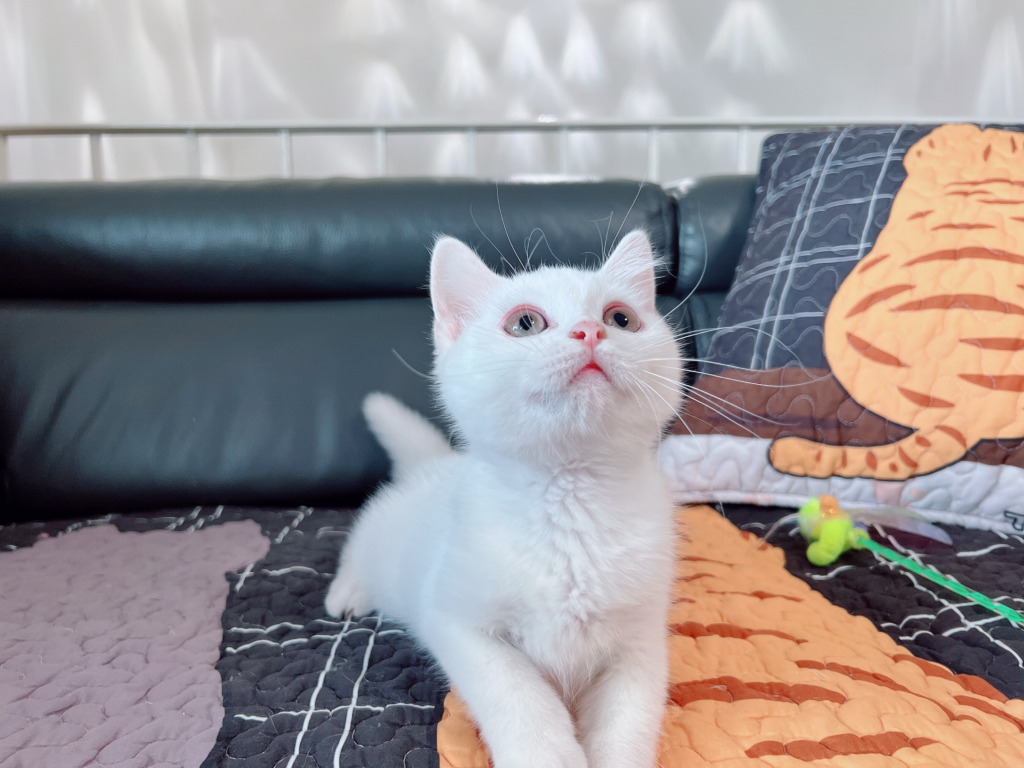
(830, 531)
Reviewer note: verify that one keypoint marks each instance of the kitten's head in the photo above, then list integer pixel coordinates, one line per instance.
(554, 358)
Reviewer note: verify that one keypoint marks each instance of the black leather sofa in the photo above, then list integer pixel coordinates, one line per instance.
(175, 343)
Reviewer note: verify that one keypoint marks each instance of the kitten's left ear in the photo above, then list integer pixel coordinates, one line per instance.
(632, 263)
(459, 283)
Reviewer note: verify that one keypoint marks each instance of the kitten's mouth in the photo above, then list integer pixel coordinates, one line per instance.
(590, 369)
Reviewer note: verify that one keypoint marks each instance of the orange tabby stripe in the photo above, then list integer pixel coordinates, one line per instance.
(923, 400)
(865, 349)
(997, 179)
(728, 688)
(963, 226)
(965, 193)
(989, 709)
(867, 263)
(1001, 344)
(873, 298)
(871, 678)
(696, 629)
(807, 751)
(973, 301)
(907, 461)
(996, 383)
(954, 433)
(972, 684)
(984, 254)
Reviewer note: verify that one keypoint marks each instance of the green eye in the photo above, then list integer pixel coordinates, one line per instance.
(622, 317)
(525, 322)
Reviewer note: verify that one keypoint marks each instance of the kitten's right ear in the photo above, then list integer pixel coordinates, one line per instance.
(459, 283)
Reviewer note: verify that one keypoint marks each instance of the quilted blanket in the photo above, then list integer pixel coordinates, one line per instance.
(198, 638)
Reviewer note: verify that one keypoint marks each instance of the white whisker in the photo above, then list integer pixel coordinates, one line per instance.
(704, 266)
(715, 408)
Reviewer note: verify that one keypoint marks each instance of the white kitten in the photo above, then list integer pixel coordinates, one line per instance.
(536, 562)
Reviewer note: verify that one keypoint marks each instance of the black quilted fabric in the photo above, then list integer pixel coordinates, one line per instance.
(303, 690)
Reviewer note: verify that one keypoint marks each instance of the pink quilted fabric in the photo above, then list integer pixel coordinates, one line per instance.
(108, 643)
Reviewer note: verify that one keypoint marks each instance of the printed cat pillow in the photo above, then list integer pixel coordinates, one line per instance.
(872, 346)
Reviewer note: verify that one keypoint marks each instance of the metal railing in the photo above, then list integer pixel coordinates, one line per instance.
(654, 132)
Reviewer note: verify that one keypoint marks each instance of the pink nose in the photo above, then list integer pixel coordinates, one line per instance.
(588, 332)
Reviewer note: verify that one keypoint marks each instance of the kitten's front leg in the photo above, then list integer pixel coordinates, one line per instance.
(522, 719)
(620, 713)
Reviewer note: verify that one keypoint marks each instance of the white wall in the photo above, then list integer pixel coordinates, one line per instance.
(174, 61)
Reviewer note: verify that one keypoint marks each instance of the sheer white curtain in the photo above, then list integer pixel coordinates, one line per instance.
(240, 61)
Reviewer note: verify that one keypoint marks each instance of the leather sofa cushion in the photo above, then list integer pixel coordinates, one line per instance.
(116, 405)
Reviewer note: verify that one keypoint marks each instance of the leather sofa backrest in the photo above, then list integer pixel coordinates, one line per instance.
(197, 342)
(301, 239)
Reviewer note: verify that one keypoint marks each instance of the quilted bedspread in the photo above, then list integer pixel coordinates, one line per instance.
(198, 638)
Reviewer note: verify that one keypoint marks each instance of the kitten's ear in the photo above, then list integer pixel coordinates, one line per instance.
(459, 283)
(632, 263)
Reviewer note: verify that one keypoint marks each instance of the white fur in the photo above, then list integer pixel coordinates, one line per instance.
(536, 562)
(409, 439)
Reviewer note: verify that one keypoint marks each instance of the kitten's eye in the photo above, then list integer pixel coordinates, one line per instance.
(525, 322)
(622, 317)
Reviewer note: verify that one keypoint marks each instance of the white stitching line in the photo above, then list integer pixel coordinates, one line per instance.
(331, 712)
(300, 514)
(316, 692)
(355, 695)
(293, 641)
(245, 574)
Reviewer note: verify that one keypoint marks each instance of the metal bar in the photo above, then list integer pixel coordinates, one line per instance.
(379, 133)
(545, 126)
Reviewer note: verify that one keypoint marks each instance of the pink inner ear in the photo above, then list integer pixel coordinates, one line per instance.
(459, 283)
(632, 262)
(447, 328)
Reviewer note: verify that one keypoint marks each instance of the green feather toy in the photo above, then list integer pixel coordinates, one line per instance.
(831, 531)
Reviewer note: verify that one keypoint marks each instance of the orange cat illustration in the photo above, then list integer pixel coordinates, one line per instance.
(928, 329)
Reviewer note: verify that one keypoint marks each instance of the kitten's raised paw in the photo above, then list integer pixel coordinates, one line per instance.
(346, 596)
